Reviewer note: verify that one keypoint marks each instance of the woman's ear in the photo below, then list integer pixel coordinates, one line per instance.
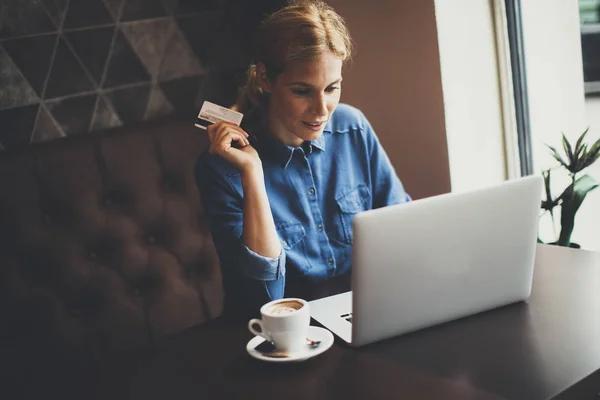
(263, 80)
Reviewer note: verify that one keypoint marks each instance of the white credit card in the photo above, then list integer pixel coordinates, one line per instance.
(212, 113)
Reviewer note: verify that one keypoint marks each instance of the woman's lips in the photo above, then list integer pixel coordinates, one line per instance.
(315, 126)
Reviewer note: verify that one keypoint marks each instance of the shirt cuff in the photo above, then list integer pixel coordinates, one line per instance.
(256, 266)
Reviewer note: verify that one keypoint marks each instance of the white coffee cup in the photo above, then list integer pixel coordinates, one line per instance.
(284, 322)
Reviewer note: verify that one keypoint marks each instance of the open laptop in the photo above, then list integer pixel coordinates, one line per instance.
(434, 260)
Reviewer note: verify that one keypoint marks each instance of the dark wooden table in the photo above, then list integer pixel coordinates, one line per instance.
(532, 350)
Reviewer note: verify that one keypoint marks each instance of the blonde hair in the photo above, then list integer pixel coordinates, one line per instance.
(302, 30)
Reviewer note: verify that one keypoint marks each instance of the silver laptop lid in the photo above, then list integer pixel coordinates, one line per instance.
(434, 260)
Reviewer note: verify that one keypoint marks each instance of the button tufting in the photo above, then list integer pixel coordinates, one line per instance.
(150, 239)
(76, 312)
(188, 270)
(54, 211)
(114, 198)
(173, 182)
(92, 255)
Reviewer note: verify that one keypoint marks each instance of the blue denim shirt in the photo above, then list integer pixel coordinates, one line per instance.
(314, 192)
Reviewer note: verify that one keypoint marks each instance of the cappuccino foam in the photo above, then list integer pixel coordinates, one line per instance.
(285, 307)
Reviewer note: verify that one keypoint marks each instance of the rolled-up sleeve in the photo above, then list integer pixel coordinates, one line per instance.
(255, 266)
(249, 278)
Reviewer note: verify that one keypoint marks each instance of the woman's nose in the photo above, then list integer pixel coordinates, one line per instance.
(320, 106)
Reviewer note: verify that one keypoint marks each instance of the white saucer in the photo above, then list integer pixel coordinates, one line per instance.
(314, 333)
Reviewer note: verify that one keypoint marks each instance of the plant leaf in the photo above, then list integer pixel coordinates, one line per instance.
(572, 198)
(581, 158)
(580, 151)
(591, 156)
(595, 150)
(557, 156)
(568, 151)
(548, 203)
(546, 175)
(580, 141)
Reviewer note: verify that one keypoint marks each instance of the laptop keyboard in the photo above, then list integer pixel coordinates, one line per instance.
(347, 317)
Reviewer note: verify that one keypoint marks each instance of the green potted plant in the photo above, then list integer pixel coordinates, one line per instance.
(577, 159)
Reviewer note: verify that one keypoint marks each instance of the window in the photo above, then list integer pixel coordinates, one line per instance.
(589, 16)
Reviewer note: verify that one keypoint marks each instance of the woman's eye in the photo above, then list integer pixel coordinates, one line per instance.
(307, 92)
(300, 92)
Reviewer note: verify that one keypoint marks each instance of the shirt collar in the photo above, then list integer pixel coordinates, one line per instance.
(282, 153)
(320, 142)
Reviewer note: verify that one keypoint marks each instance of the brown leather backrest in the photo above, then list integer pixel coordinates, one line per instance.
(103, 244)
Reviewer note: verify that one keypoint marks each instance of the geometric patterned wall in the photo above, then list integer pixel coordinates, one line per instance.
(74, 66)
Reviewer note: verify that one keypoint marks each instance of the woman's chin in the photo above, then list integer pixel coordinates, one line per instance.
(302, 134)
(311, 134)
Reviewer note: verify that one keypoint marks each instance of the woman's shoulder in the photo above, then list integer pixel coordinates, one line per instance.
(346, 118)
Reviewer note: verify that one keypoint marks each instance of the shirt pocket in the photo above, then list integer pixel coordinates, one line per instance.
(350, 203)
(292, 236)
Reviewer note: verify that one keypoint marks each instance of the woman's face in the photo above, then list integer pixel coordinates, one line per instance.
(303, 97)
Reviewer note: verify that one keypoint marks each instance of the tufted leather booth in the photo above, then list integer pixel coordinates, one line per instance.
(103, 244)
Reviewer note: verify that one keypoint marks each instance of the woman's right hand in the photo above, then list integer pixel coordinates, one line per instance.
(222, 136)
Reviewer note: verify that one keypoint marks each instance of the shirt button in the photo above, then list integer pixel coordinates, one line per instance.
(284, 243)
(311, 191)
(330, 261)
(320, 228)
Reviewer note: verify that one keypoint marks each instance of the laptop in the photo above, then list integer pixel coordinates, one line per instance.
(419, 264)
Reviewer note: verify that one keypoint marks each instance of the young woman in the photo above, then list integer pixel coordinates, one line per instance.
(280, 192)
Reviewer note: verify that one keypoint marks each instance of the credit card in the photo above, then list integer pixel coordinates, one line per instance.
(212, 113)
